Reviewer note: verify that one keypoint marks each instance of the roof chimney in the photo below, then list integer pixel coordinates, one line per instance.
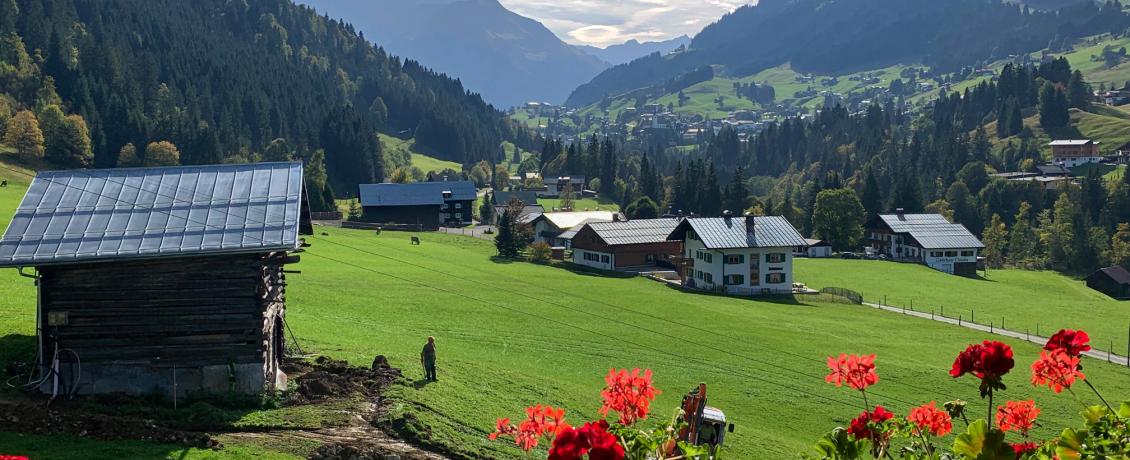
(900, 211)
(750, 223)
(727, 214)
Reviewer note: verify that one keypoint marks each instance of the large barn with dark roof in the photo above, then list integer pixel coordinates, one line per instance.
(421, 204)
(164, 280)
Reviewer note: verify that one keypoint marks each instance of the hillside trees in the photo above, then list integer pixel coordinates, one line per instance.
(161, 153)
(839, 218)
(642, 208)
(513, 235)
(1053, 107)
(23, 134)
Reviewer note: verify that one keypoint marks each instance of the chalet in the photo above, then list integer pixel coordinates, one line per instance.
(814, 249)
(548, 226)
(160, 279)
(1072, 153)
(1112, 281)
(626, 244)
(422, 204)
(928, 239)
(565, 239)
(556, 185)
(738, 255)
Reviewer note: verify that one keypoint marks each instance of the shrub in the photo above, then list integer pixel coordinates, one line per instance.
(540, 252)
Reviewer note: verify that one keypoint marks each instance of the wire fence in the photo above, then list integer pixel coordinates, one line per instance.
(832, 294)
(1031, 332)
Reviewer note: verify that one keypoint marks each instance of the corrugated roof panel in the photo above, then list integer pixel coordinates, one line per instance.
(416, 193)
(87, 215)
(725, 233)
(932, 231)
(640, 231)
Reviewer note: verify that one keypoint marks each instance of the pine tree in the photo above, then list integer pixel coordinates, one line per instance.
(871, 196)
(1024, 243)
(23, 134)
(1078, 93)
(1053, 107)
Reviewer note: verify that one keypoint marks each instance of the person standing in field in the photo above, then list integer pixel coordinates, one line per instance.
(428, 359)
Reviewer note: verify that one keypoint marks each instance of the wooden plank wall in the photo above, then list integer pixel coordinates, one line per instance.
(188, 311)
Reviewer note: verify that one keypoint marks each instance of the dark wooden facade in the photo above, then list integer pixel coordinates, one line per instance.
(628, 255)
(1112, 281)
(187, 324)
(458, 213)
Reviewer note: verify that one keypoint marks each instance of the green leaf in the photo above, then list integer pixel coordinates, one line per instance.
(1070, 446)
(979, 442)
(1092, 414)
(1124, 411)
(839, 445)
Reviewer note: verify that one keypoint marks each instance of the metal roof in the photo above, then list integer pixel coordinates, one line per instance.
(932, 231)
(109, 214)
(567, 220)
(639, 231)
(416, 193)
(728, 233)
(1072, 142)
(1116, 273)
(526, 197)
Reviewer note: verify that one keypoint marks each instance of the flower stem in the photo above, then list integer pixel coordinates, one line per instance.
(866, 405)
(1088, 382)
(990, 419)
(1077, 398)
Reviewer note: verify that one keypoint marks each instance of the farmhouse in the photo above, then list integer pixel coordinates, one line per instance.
(1076, 152)
(1112, 281)
(160, 279)
(738, 255)
(556, 185)
(549, 226)
(626, 244)
(423, 204)
(814, 249)
(926, 238)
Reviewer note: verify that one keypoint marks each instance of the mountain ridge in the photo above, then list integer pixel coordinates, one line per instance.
(630, 50)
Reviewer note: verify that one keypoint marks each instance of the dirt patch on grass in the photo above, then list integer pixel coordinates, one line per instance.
(24, 417)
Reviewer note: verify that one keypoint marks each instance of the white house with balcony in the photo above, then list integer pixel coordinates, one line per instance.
(927, 239)
(738, 255)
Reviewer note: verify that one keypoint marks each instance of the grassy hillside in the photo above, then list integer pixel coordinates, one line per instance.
(514, 334)
(1109, 125)
(1021, 299)
(399, 153)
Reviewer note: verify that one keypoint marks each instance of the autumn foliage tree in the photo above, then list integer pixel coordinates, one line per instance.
(162, 153)
(23, 134)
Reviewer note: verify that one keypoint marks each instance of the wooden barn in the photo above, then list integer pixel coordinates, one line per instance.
(421, 204)
(1112, 281)
(164, 280)
(626, 244)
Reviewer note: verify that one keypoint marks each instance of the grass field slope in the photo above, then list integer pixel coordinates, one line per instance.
(512, 334)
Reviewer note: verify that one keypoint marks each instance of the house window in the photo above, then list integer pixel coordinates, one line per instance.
(775, 258)
(966, 253)
(755, 271)
(691, 235)
(774, 278)
(444, 215)
(951, 253)
(604, 259)
(735, 280)
(698, 274)
(708, 277)
(458, 205)
(445, 206)
(735, 259)
(935, 253)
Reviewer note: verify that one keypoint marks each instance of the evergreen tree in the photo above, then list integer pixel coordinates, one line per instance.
(23, 134)
(1053, 107)
(711, 204)
(1024, 243)
(1078, 92)
(1120, 246)
(871, 198)
(734, 197)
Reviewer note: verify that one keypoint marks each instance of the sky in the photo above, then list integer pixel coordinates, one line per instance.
(609, 22)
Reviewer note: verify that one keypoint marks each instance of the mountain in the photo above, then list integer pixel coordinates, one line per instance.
(839, 36)
(224, 80)
(508, 58)
(628, 51)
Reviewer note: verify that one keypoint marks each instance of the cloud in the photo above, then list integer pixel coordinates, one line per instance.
(608, 22)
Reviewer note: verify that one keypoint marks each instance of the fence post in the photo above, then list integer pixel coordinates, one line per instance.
(1026, 335)
(990, 327)
(1002, 323)
(971, 316)
(943, 308)
(958, 320)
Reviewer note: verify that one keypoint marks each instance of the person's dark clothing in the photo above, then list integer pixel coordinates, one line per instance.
(428, 356)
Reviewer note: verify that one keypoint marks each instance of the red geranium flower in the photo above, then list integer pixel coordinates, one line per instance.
(1024, 448)
(592, 439)
(629, 394)
(1056, 369)
(1017, 416)
(12, 457)
(1072, 342)
(856, 371)
(540, 421)
(928, 417)
(989, 361)
(861, 426)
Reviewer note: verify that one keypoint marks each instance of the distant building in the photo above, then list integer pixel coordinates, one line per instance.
(160, 280)
(928, 239)
(814, 249)
(555, 185)
(1112, 281)
(549, 226)
(425, 204)
(527, 198)
(737, 255)
(1077, 152)
(626, 244)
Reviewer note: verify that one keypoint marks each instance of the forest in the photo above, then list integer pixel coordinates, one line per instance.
(839, 37)
(221, 81)
(939, 160)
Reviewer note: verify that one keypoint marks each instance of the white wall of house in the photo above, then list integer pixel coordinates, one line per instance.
(774, 268)
(601, 260)
(1073, 161)
(944, 259)
(819, 251)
